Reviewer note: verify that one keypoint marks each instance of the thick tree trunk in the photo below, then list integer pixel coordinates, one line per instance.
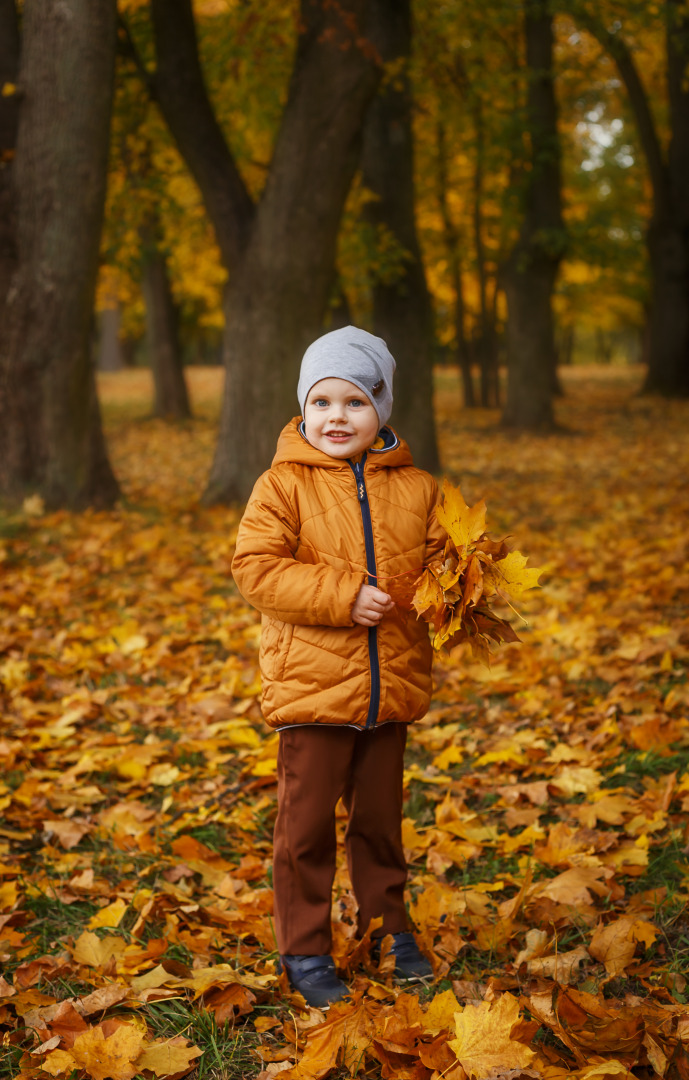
(50, 432)
(9, 116)
(402, 312)
(668, 234)
(171, 399)
(532, 267)
(281, 254)
(668, 344)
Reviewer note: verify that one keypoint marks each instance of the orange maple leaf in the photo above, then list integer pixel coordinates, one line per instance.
(453, 594)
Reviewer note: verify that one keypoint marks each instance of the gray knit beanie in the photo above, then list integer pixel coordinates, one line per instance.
(355, 355)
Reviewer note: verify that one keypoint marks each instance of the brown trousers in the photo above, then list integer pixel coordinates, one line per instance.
(317, 765)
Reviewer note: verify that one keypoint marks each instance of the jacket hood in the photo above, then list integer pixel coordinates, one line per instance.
(389, 451)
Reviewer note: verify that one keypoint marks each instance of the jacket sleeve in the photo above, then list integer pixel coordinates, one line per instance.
(435, 534)
(272, 579)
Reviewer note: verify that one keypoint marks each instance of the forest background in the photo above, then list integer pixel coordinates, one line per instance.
(189, 194)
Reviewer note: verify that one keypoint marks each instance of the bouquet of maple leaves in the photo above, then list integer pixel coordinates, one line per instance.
(455, 594)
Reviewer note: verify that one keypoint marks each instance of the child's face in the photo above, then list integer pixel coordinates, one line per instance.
(339, 419)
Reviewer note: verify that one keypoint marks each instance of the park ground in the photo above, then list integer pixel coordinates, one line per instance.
(546, 824)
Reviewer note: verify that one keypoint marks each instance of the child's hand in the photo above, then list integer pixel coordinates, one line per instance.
(370, 606)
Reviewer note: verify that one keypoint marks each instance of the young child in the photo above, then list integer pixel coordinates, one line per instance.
(340, 513)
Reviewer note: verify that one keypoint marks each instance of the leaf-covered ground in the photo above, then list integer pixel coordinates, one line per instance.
(546, 819)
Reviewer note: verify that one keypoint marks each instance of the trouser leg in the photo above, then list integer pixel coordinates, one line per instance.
(313, 765)
(373, 796)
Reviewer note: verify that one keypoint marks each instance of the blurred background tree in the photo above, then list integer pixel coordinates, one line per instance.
(50, 429)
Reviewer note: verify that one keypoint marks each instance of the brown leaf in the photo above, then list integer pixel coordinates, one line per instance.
(615, 944)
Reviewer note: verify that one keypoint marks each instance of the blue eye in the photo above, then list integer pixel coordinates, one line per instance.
(356, 402)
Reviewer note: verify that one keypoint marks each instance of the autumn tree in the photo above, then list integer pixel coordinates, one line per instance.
(402, 312)
(171, 398)
(145, 225)
(279, 249)
(50, 431)
(603, 285)
(531, 270)
(667, 236)
(467, 76)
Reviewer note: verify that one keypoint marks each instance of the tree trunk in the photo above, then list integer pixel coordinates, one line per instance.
(339, 314)
(667, 237)
(109, 346)
(668, 234)
(532, 267)
(452, 246)
(9, 115)
(171, 399)
(402, 312)
(280, 254)
(50, 432)
(668, 346)
(490, 386)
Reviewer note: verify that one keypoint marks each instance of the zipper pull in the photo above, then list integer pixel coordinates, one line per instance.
(359, 474)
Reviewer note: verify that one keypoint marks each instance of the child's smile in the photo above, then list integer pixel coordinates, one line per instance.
(339, 419)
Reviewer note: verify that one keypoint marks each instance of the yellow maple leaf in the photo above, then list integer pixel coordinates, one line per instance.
(484, 1041)
(440, 1014)
(167, 1058)
(463, 524)
(428, 595)
(111, 915)
(58, 1062)
(96, 952)
(512, 576)
(113, 1056)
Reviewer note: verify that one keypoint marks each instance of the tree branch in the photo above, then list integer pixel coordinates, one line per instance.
(617, 47)
(183, 98)
(126, 46)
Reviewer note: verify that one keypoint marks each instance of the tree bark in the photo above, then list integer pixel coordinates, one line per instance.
(402, 312)
(50, 432)
(9, 117)
(280, 254)
(490, 385)
(532, 267)
(668, 234)
(109, 346)
(452, 245)
(171, 399)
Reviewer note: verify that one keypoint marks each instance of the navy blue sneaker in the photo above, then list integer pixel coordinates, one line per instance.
(410, 963)
(315, 978)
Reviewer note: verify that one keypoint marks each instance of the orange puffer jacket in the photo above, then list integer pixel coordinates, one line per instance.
(315, 529)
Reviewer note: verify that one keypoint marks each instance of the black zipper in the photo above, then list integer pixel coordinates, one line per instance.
(364, 506)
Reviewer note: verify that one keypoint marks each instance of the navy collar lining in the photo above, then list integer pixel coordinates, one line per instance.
(387, 434)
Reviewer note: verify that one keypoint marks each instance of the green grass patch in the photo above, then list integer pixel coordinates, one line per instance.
(54, 921)
(226, 1048)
